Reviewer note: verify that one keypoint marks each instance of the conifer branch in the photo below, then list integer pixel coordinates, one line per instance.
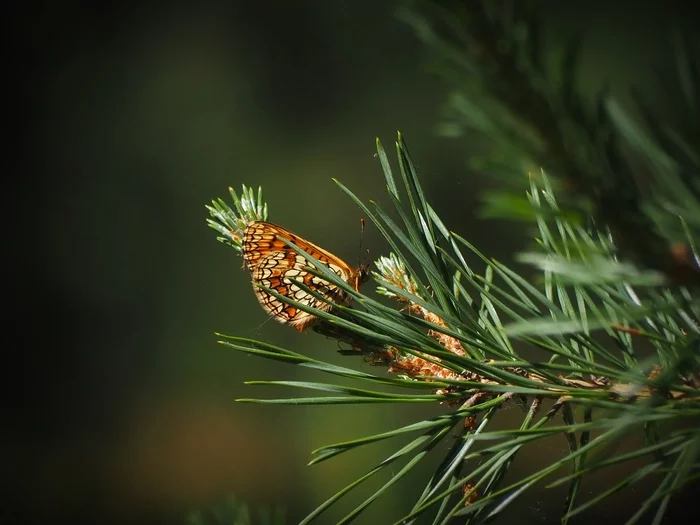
(456, 348)
(492, 55)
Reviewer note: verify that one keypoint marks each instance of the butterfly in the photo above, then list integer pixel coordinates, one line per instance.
(276, 266)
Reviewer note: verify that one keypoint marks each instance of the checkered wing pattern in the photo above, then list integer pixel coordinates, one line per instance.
(276, 266)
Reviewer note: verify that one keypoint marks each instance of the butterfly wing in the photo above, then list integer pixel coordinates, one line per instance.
(275, 265)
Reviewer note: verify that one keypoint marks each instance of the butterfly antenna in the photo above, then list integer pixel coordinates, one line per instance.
(360, 258)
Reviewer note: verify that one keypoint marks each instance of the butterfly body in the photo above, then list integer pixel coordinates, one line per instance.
(274, 265)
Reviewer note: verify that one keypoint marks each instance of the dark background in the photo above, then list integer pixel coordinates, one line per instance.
(124, 120)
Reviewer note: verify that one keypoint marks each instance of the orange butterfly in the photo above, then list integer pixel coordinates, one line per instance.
(275, 265)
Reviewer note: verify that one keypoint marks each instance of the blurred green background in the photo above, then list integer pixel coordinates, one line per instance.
(127, 119)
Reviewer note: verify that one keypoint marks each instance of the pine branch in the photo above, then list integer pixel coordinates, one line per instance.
(492, 55)
(451, 341)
